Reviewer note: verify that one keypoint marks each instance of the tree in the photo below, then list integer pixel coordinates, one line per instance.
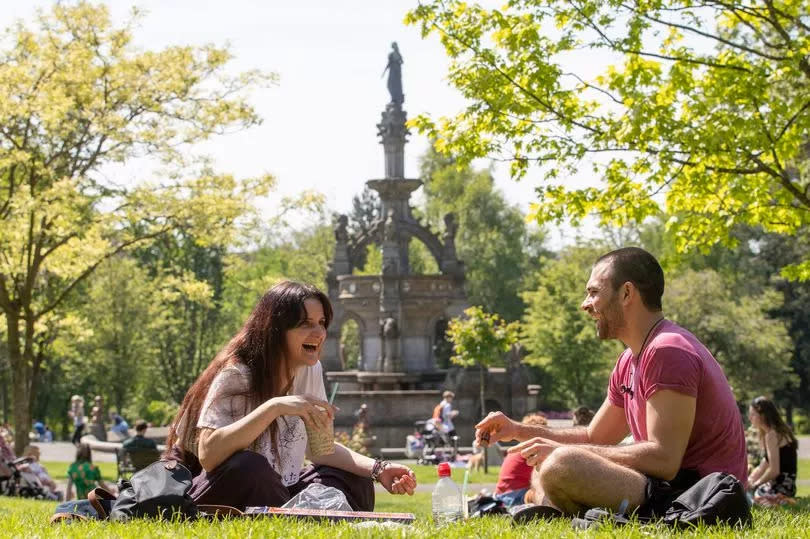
(365, 211)
(560, 337)
(482, 339)
(492, 239)
(76, 95)
(120, 308)
(753, 347)
(700, 107)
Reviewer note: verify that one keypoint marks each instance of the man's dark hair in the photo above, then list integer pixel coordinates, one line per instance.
(635, 265)
(141, 425)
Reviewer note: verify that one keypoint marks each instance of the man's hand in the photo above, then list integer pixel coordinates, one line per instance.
(495, 427)
(536, 450)
(398, 479)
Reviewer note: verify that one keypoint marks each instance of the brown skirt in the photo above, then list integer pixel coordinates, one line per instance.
(247, 479)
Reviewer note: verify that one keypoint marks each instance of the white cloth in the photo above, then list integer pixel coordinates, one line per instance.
(223, 405)
(447, 416)
(77, 410)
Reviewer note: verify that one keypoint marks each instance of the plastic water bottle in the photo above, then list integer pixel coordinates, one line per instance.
(447, 502)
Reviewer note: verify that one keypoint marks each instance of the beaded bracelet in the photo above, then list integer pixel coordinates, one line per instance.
(378, 468)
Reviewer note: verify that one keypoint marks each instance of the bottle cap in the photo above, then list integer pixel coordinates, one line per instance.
(444, 469)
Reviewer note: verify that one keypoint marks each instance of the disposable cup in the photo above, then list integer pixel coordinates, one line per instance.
(320, 441)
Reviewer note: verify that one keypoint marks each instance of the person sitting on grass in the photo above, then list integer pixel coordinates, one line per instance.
(34, 466)
(119, 426)
(139, 441)
(514, 479)
(776, 473)
(84, 475)
(583, 416)
(243, 420)
(666, 389)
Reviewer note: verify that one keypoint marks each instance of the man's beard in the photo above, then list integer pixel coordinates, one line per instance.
(610, 321)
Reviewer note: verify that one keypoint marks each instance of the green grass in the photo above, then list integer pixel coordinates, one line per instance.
(803, 469)
(26, 518)
(58, 470)
(427, 475)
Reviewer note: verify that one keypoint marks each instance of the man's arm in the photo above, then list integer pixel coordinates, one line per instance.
(670, 416)
(609, 426)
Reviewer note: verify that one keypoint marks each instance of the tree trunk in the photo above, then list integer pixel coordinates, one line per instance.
(19, 382)
(483, 411)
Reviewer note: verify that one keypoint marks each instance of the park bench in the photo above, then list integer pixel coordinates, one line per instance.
(129, 461)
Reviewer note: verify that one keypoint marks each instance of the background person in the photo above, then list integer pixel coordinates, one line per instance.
(39, 470)
(76, 413)
(776, 473)
(583, 416)
(119, 426)
(243, 419)
(443, 415)
(514, 479)
(84, 475)
(139, 441)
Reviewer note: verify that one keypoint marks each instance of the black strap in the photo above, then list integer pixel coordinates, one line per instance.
(97, 494)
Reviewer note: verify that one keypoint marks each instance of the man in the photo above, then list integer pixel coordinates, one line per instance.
(443, 414)
(666, 389)
(139, 441)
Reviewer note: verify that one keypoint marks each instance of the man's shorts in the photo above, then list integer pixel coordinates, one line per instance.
(660, 494)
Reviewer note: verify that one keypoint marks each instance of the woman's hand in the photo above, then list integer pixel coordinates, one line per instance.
(398, 479)
(316, 412)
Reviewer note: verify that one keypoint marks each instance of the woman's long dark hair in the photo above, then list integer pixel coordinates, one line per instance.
(259, 345)
(773, 419)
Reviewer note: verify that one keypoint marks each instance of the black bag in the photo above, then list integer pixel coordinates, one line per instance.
(486, 505)
(157, 491)
(717, 498)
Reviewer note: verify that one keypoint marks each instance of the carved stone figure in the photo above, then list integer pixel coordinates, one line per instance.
(341, 229)
(390, 328)
(394, 69)
(390, 232)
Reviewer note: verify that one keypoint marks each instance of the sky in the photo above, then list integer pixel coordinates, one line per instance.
(319, 128)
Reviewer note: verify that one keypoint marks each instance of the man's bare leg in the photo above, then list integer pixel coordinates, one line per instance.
(573, 478)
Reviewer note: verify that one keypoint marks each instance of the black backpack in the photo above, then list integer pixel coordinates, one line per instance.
(158, 491)
(718, 498)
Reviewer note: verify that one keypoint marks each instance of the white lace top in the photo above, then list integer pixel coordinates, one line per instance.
(221, 408)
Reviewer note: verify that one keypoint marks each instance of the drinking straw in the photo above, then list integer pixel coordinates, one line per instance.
(464, 490)
(334, 392)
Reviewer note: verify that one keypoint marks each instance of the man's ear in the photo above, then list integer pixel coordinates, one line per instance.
(627, 291)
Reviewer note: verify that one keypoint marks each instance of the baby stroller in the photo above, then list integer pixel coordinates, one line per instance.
(15, 480)
(436, 445)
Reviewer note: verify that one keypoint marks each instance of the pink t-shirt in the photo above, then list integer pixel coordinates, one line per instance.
(674, 359)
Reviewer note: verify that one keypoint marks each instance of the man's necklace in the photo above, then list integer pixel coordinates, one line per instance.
(649, 332)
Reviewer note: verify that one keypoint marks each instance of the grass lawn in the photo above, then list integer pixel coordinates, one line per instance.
(803, 467)
(26, 518)
(58, 470)
(427, 474)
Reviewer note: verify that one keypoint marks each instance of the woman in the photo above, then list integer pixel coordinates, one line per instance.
(776, 473)
(243, 419)
(84, 475)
